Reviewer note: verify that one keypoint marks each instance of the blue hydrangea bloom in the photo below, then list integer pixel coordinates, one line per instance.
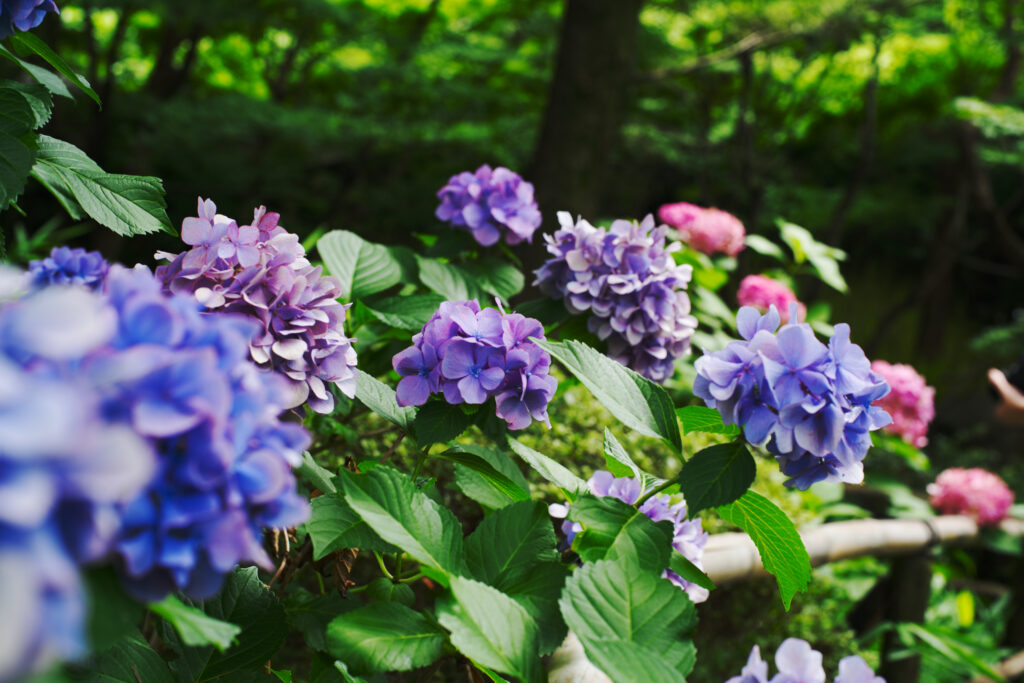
(470, 355)
(688, 535)
(23, 15)
(798, 662)
(809, 404)
(490, 203)
(66, 266)
(625, 278)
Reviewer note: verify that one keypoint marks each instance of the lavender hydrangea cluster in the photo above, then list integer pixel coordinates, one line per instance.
(809, 404)
(626, 279)
(490, 204)
(23, 15)
(260, 270)
(688, 535)
(798, 662)
(66, 266)
(469, 354)
(133, 429)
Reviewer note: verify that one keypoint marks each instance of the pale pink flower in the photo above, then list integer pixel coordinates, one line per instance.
(910, 401)
(762, 293)
(974, 492)
(706, 230)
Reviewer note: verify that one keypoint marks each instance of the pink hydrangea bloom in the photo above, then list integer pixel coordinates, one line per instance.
(706, 230)
(974, 492)
(762, 293)
(911, 402)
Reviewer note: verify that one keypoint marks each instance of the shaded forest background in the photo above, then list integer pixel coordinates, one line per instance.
(886, 127)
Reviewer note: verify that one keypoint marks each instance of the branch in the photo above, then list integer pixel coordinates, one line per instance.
(752, 42)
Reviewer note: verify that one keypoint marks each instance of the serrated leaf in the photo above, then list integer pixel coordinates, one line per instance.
(389, 502)
(27, 42)
(44, 77)
(689, 571)
(129, 659)
(193, 626)
(317, 476)
(17, 120)
(495, 479)
(716, 476)
(634, 400)
(439, 422)
(497, 278)
(491, 628)
(406, 312)
(38, 98)
(508, 542)
(362, 267)
(548, 468)
(384, 636)
(613, 529)
(782, 551)
(383, 589)
(334, 525)
(380, 398)
(477, 486)
(626, 662)
(538, 591)
(704, 419)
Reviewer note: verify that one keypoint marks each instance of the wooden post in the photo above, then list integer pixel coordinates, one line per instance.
(906, 600)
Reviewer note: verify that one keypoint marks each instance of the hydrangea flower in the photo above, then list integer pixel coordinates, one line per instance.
(65, 266)
(625, 278)
(470, 354)
(911, 402)
(808, 403)
(973, 492)
(261, 271)
(798, 662)
(23, 15)
(706, 230)
(688, 535)
(762, 293)
(490, 203)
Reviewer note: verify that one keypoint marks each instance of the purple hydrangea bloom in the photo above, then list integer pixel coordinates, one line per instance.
(23, 15)
(469, 355)
(65, 266)
(807, 403)
(625, 278)
(490, 203)
(261, 271)
(688, 535)
(798, 662)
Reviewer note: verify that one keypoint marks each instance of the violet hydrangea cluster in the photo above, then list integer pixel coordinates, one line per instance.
(688, 535)
(66, 266)
(490, 204)
(23, 15)
(808, 403)
(260, 270)
(135, 430)
(469, 354)
(973, 492)
(625, 278)
(798, 662)
(706, 230)
(762, 292)
(911, 402)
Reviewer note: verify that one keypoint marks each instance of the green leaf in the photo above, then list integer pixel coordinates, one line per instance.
(27, 42)
(447, 280)
(193, 626)
(14, 97)
(509, 542)
(781, 549)
(44, 77)
(916, 459)
(704, 419)
(764, 246)
(17, 120)
(823, 258)
(613, 529)
(130, 659)
(334, 525)
(548, 468)
(113, 615)
(479, 487)
(245, 601)
(619, 463)
(439, 422)
(497, 278)
(127, 204)
(383, 589)
(317, 476)
(384, 636)
(406, 312)
(380, 398)
(491, 628)
(496, 480)
(362, 267)
(689, 571)
(310, 613)
(633, 399)
(538, 591)
(404, 516)
(716, 476)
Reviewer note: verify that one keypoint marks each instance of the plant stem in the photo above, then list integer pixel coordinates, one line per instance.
(383, 568)
(656, 490)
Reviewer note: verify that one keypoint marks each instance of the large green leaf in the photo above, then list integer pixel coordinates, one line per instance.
(129, 659)
(193, 626)
(312, 473)
(548, 468)
(439, 422)
(406, 312)
(362, 267)
(636, 401)
(704, 419)
(310, 613)
(17, 120)
(403, 515)
(44, 77)
(633, 663)
(27, 42)
(619, 463)
(491, 628)
(614, 529)
(485, 490)
(538, 591)
(510, 541)
(497, 278)
(127, 204)
(689, 571)
(782, 551)
(380, 398)
(467, 457)
(448, 280)
(334, 525)
(384, 636)
(716, 476)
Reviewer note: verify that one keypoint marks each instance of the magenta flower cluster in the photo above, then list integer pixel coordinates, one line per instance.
(706, 230)
(23, 15)
(808, 403)
(625, 278)
(66, 266)
(798, 662)
(688, 535)
(762, 293)
(469, 355)
(133, 429)
(911, 402)
(260, 270)
(973, 492)
(490, 204)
